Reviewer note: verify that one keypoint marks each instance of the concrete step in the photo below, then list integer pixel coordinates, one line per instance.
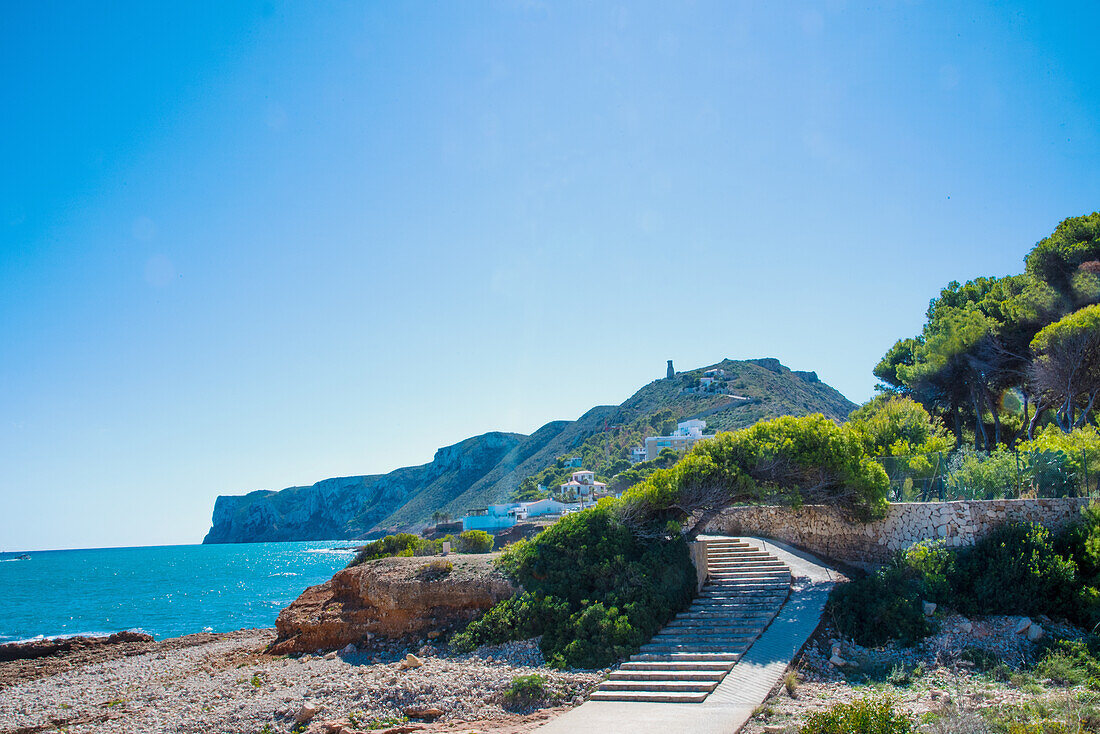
(697, 650)
(742, 596)
(662, 686)
(686, 657)
(699, 646)
(736, 552)
(743, 593)
(722, 642)
(726, 586)
(736, 628)
(734, 602)
(649, 697)
(732, 614)
(683, 676)
(663, 666)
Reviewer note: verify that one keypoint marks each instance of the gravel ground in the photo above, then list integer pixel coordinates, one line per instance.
(226, 684)
(932, 680)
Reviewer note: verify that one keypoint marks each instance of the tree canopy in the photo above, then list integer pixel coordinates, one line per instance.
(788, 460)
(978, 348)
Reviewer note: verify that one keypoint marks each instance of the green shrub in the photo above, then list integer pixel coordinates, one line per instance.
(869, 715)
(402, 544)
(932, 563)
(594, 590)
(1016, 570)
(883, 606)
(474, 541)
(1070, 663)
(979, 475)
(525, 690)
(1081, 542)
(407, 545)
(787, 460)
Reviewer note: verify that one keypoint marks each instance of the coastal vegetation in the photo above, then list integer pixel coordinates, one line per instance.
(593, 589)
(1018, 569)
(788, 460)
(999, 357)
(406, 545)
(873, 714)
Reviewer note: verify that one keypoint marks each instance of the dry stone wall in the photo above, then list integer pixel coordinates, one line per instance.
(824, 531)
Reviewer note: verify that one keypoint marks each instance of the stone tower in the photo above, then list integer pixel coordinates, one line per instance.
(671, 372)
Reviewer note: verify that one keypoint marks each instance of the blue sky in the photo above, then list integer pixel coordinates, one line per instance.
(251, 245)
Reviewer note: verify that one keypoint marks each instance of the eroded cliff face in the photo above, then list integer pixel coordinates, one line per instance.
(349, 507)
(391, 598)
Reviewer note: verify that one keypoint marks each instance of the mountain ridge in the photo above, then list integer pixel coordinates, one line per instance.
(487, 468)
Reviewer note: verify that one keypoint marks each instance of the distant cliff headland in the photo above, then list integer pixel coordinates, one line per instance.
(489, 468)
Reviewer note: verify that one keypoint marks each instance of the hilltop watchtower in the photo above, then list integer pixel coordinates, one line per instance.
(670, 373)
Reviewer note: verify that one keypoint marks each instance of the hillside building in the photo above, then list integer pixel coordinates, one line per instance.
(583, 486)
(686, 435)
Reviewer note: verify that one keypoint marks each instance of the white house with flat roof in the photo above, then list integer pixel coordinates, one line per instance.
(493, 517)
(686, 435)
(537, 509)
(502, 517)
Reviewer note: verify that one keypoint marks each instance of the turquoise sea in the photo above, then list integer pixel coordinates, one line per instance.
(163, 590)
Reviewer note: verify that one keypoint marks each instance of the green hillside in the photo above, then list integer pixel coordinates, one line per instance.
(492, 468)
(753, 390)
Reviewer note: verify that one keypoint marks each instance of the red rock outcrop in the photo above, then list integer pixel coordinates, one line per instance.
(392, 598)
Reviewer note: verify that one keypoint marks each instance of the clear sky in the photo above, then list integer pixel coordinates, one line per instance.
(251, 245)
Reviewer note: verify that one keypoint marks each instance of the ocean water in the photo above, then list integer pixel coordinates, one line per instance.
(163, 590)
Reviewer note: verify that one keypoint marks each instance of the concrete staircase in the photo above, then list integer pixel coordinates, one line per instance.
(691, 655)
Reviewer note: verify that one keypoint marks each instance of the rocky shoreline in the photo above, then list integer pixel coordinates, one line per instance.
(229, 683)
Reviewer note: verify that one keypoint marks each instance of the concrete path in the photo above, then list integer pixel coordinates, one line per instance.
(731, 704)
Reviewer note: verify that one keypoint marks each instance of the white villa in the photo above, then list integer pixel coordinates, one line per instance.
(583, 484)
(637, 454)
(687, 433)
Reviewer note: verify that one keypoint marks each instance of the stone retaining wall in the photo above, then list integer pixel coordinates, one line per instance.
(823, 530)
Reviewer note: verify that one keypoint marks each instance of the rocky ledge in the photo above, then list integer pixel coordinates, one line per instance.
(394, 598)
(41, 648)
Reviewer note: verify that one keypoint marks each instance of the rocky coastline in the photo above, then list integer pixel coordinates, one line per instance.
(230, 682)
(363, 651)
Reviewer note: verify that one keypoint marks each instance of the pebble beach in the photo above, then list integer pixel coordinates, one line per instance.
(227, 683)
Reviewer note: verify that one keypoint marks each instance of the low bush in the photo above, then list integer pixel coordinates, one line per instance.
(932, 563)
(868, 715)
(525, 690)
(434, 570)
(407, 545)
(474, 541)
(402, 544)
(1070, 662)
(593, 589)
(883, 606)
(1016, 570)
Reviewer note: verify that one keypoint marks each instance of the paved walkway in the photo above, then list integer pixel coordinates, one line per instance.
(731, 704)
